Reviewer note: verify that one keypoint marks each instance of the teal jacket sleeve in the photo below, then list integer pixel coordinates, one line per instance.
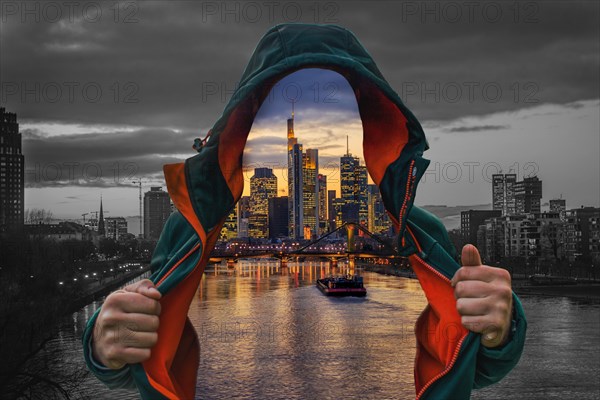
(494, 364)
(113, 378)
(122, 378)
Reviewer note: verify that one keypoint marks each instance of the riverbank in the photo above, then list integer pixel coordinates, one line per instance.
(581, 291)
(96, 291)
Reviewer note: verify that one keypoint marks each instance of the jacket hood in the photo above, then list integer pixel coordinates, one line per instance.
(393, 139)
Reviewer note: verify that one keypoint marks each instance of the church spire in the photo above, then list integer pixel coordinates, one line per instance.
(101, 230)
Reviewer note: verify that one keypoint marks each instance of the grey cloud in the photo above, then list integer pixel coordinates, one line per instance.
(478, 128)
(103, 159)
(174, 67)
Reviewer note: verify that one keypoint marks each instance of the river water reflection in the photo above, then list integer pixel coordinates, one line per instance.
(266, 332)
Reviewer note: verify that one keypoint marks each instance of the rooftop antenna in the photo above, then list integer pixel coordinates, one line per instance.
(347, 146)
(293, 101)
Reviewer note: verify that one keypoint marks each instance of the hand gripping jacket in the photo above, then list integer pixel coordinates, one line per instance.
(450, 360)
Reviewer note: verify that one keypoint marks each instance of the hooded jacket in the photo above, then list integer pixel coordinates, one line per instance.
(450, 360)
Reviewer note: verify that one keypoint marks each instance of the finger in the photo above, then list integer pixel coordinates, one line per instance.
(472, 307)
(470, 256)
(145, 287)
(137, 303)
(133, 355)
(471, 289)
(141, 340)
(142, 322)
(479, 324)
(482, 273)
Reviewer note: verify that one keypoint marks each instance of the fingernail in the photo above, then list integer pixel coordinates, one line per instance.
(491, 335)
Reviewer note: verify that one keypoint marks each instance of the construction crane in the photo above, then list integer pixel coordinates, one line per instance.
(83, 215)
(139, 183)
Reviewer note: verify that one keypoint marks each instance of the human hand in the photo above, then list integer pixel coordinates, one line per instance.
(127, 325)
(483, 298)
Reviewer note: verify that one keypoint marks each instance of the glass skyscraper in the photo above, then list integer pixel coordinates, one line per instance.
(263, 186)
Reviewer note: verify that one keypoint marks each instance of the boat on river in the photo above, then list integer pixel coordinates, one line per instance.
(349, 285)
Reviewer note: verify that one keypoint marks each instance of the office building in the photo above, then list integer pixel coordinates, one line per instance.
(278, 217)
(12, 174)
(115, 227)
(471, 220)
(230, 226)
(528, 195)
(157, 208)
(503, 195)
(581, 233)
(243, 216)
(263, 186)
(354, 180)
(310, 192)
(378, 219)
(331, 196)
(323, 204)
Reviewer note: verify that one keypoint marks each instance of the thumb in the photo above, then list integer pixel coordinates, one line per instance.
(145, 287)
(470, 256)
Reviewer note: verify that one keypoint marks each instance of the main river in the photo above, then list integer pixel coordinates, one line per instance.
(266, 332)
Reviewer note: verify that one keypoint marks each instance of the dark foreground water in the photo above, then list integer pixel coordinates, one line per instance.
(266, 332)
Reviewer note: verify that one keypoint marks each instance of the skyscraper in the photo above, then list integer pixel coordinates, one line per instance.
(348, 165)
(12, 173)
(503, 193)
(354, 180)
(278, 217)
(362, 195)
(310, 192)
(263, 186)
(528, 195)
(295, 183)
(323, 205)
(378, 219)
(230, 226)
(243, 216)
(330, 210)
(157, 208)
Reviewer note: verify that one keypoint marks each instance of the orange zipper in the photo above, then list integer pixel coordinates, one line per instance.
(407, 195)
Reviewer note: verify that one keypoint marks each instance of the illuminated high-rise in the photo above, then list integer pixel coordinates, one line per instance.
(354, 182)
(322, 203)
(295, 183)
(310, 192)
(230, 226)
(348, 165)
(263, 186)
(378, 220)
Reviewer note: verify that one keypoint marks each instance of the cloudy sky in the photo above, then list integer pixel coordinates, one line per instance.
(107, 92)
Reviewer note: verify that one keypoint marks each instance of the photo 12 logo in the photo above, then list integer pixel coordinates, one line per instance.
(454, 172)
(470, 12)
(25, 12)
(69, 92)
